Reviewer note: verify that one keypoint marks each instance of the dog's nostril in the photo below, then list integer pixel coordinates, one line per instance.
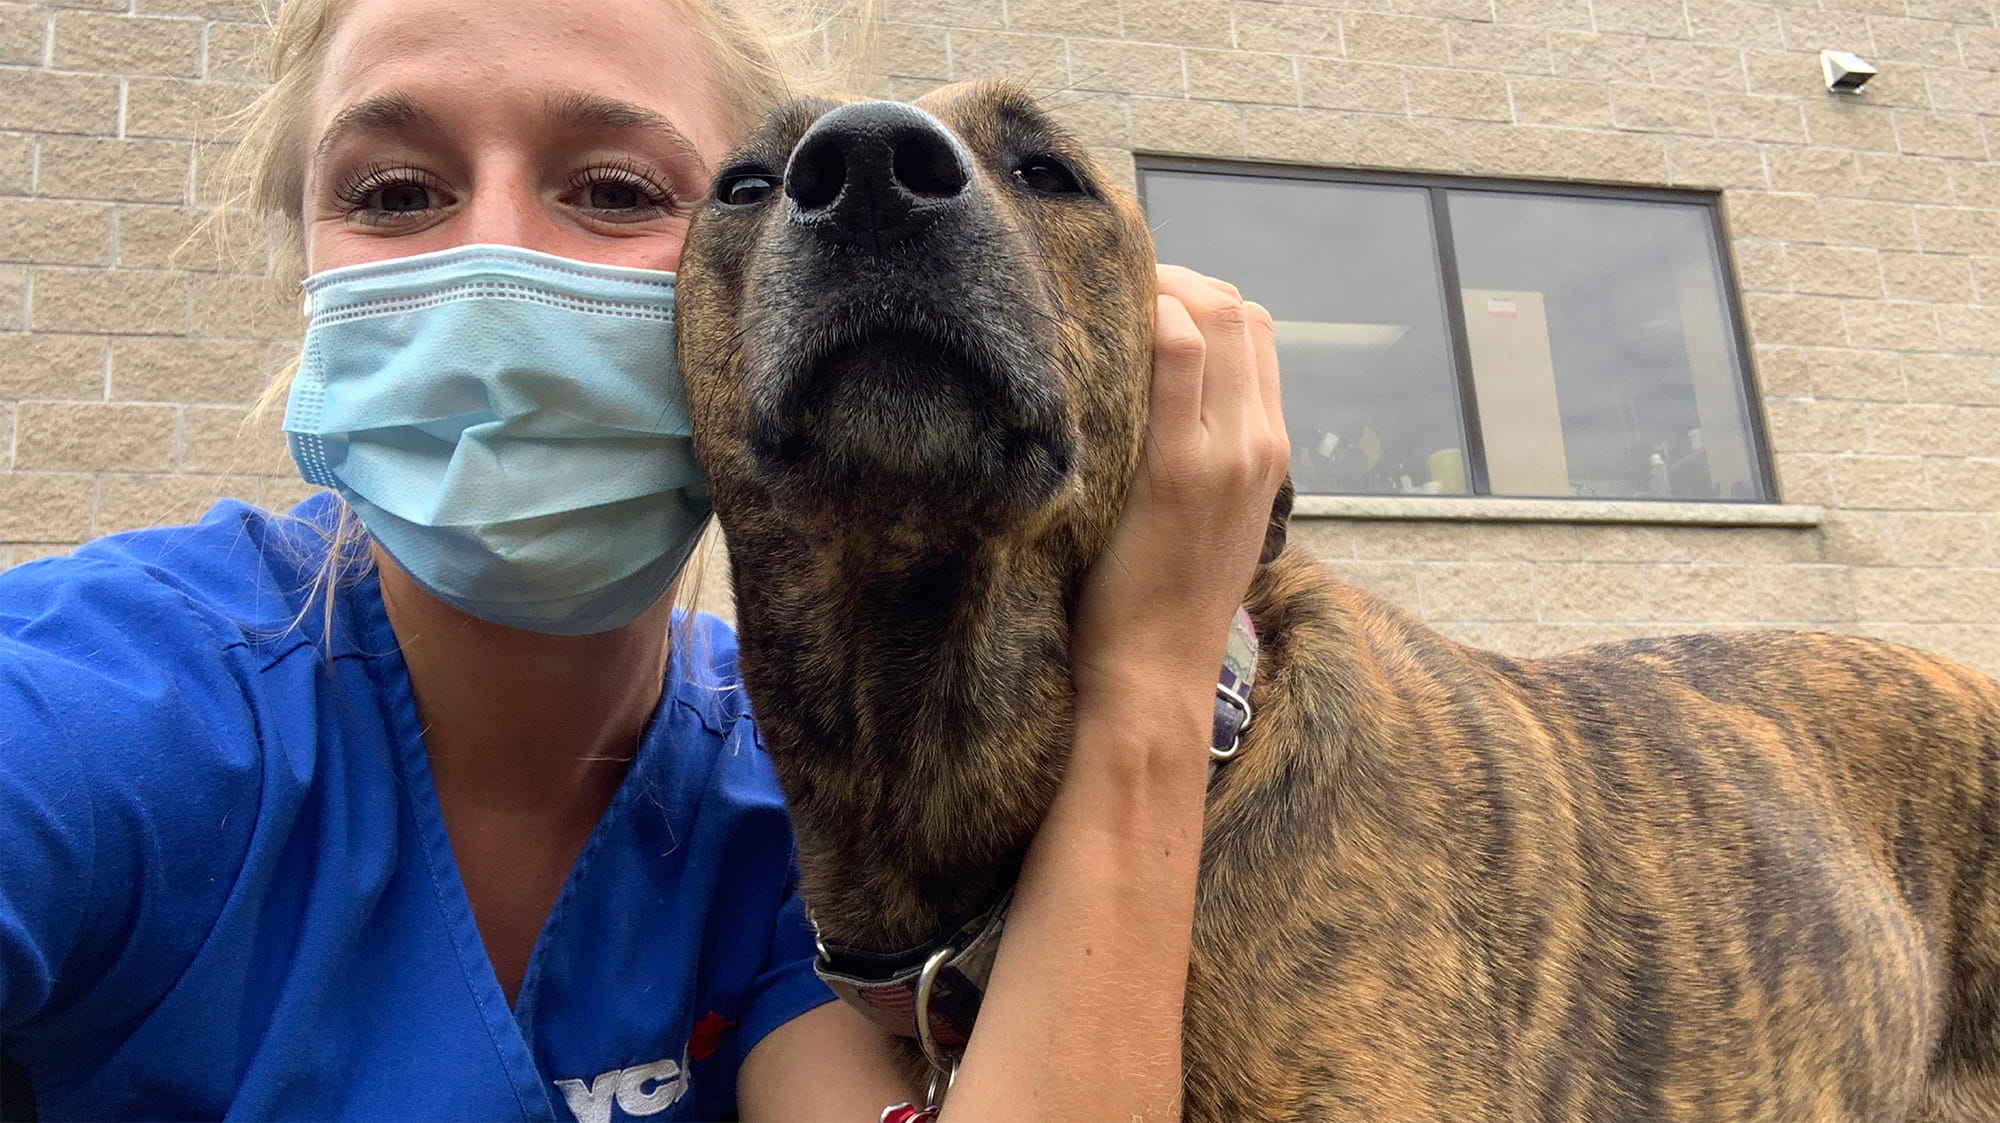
(817, 172)
(925, 164)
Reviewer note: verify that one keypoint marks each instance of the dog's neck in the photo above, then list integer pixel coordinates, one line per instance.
(918, 711)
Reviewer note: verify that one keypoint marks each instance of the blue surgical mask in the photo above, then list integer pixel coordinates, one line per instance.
(509, 426)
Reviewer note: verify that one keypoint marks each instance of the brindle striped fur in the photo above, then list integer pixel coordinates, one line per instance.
(1746, 876)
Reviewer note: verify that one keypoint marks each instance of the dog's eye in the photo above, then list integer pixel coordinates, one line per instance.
(1048, 175)
(742, 189)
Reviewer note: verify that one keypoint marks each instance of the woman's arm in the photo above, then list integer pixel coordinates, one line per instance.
(1082, 1016)
(130, 783)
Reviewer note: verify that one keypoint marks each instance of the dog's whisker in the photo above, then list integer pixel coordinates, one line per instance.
(1077, 98)
(1033, 81)
(1078, 85)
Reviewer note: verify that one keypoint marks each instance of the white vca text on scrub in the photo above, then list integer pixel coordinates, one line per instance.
(638, 1091)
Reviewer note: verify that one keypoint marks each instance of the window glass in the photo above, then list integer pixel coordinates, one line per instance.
(1350, 274)
(1603, 360)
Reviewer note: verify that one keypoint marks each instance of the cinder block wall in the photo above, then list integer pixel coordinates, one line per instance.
(125, 381)
(1866, 232)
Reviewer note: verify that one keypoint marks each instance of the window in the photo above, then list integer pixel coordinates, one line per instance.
(1459, 337)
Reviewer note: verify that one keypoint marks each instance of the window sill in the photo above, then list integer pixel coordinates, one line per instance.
(1624, 511)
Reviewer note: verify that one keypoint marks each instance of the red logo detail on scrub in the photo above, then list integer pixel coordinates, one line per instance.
(707, 1036)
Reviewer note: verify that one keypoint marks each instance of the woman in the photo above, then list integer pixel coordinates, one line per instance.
(293, 829)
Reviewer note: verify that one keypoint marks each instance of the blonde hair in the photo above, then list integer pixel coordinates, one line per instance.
(759, 54)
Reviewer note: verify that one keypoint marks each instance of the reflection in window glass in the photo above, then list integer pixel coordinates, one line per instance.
(1603, 360)
(1349, 272)
(1449, 338)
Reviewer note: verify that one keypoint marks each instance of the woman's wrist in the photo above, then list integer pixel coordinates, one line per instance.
(1136, 773)
(1097, 938)
(1153, 691)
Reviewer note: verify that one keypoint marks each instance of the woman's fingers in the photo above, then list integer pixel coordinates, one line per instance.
(1218, 313)
(1213, 347)
(1264, 342)
(1179, 352)
(1159, 599)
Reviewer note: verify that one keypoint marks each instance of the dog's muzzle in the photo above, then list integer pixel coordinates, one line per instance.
(898, 350)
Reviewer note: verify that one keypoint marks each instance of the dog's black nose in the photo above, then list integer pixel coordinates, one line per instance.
(875, 173)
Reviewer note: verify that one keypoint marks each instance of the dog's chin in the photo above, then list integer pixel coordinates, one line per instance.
(895, 426)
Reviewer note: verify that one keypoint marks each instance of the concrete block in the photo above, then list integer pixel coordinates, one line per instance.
(125, 45)
(91, 436)
(109, 302)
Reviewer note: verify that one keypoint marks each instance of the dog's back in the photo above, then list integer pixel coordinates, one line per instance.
(1708, 877)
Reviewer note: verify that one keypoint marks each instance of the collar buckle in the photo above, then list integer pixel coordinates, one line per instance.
(1232, 718)
(1232, 690)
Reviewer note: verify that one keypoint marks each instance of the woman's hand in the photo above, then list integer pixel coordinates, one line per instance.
(1156, 606)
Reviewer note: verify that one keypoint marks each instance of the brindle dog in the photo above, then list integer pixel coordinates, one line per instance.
(1712, 877)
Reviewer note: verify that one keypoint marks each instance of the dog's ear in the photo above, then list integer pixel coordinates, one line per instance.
(1281, 514)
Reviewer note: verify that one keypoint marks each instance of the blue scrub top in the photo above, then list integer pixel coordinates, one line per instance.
(225, 887)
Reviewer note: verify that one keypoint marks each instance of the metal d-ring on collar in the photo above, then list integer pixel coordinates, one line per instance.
(944, 1067)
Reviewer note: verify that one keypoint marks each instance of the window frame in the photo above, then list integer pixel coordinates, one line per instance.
(1437, 189)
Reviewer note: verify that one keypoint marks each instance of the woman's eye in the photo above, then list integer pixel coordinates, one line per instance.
(610, 195)
(390, 194)
(1049, 176)
(617, 193)
(402, 198)
(745, 188)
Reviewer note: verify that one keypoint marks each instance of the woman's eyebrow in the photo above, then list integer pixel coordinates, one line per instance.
(393, 112)
(381, 113)
(583, 110)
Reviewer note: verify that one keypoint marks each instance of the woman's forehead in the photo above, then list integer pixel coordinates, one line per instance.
(479, 53)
